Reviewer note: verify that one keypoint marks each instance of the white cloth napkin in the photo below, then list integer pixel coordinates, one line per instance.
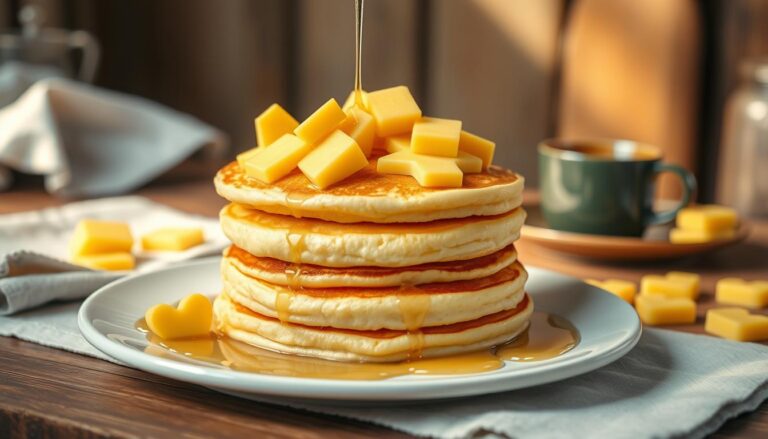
(672, 384)
(88, 141)
(33, 248)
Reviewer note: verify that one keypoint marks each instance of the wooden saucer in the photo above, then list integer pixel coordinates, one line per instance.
(654, 245)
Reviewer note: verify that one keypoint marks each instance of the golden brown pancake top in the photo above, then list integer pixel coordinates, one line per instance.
(272, 265)
(366, 182)
(392, 333)
(303, 226)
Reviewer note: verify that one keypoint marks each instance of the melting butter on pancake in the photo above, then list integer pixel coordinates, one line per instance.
(375, 346)
(276, 271)
(401, 308)
(313, 241)
(368, 196)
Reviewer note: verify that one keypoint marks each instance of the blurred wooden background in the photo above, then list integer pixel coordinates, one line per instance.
(517, 71)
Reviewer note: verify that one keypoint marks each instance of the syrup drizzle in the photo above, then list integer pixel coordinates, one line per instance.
(296, 247)
(359, 52)
(414, 309)
(548, 336)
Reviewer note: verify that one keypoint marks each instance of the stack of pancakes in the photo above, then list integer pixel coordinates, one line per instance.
(375, 268)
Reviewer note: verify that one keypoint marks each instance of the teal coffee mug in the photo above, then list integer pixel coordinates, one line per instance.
(604, 187)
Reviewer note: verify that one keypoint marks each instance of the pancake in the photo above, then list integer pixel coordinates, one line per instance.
(368, 196)
(399, 308)
(280, 272)
(313, 241)
(243, 325)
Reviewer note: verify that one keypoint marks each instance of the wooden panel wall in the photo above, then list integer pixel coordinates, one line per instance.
(492, 64)
(631, 70)
(222, 62)
(325, 57)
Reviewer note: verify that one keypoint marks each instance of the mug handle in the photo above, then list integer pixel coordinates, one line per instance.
(91, 52)
(689, 187)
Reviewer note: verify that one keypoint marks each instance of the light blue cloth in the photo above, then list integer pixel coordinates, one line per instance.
(671, 384)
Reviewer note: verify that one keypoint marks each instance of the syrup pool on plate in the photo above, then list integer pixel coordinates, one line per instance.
(548, 336)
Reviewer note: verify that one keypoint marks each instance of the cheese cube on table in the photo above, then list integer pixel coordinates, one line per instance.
(685, 236)
(674, 284)
(173, 238)
(736, 324)
(429, 171)
(624, 289)
(273, 163)
(272, 124)
(736, 291)
(659, 310)
(118, 261)
(362, 128)
(394, 110)
(322, 122)
(477, 146)
(334, 159)
(351, 101)
(245, 155)
(690, 278)
(468, 163)
(710, 219)
(95, 236)
(436, 136)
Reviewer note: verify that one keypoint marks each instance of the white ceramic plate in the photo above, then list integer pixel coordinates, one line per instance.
(609, 329)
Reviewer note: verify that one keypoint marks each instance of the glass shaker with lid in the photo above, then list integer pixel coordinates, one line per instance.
(743, 166)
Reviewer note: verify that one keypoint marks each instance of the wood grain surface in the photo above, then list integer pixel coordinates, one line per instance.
(47, 393)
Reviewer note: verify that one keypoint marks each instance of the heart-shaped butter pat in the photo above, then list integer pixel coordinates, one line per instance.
(737, 324)
(192, 318)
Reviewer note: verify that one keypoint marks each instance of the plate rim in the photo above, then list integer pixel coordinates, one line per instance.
(348, 390)
(540, 234)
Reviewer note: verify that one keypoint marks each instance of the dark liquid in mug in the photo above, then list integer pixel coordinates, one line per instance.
(628, 152)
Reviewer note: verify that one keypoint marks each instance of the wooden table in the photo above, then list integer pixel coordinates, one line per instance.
(46, 392)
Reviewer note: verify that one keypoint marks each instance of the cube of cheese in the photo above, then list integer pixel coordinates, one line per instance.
(707, 218)
(468, 163)
(118, 261)
(736, 324)
(397, 143)
(436, 136)
(272, 124)
(477, 146)
(624, 289)
(735, 291)
(351, 101)
(659, 310)
(275, 162)
(245, 155)
(334, 159)
(95, 237)
(173, 238)
(684, 236)
(394, 110)
(429, 171)
(691, 278)
(679, 285)
(362, 129)
(322, 122)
